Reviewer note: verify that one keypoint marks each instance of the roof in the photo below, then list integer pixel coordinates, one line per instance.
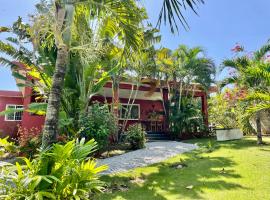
(6, 93)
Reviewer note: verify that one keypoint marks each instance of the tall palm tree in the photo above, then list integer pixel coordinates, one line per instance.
(191, 67)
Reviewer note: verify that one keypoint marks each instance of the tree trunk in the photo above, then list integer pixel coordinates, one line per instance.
(259, 128)
(64, 12)
(51, 121)
(115, 103)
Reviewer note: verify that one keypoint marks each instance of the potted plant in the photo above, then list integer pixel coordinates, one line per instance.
(225, 118)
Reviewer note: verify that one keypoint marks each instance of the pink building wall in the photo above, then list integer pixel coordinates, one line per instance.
(30, 120)
(9, 127)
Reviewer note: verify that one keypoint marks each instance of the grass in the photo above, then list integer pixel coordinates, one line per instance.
(217, 170)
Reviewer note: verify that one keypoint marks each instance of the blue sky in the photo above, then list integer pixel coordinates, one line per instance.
(221, 24)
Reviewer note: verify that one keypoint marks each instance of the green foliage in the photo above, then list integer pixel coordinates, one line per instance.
(185, 117)
(223, 113)
(61, 172)
(29, 140)
(98, 123)
(7, 147)
(136, 136)
(172, 11)
(252, 75)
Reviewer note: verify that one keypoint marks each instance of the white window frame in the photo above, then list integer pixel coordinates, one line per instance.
(6, 116)
(126, 104)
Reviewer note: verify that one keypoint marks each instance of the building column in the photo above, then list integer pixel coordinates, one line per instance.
(205, 108)
(115, 99)
(165, 97)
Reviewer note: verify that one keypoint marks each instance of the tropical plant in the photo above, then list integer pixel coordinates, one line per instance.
(99, 124)
(187, 119)
(29, 140)
(223, 112)
(251, 74)
(62, 172)
(189, 69)
(135, 135)
(7, 147)
(171, 10)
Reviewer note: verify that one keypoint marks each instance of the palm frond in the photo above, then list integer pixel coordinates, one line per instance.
(227, 81)
(237, 64)
(258, 55)
(172, 11)
(4, 29)
(264, 97)
(257, 108)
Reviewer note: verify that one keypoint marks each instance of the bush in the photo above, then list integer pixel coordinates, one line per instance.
(186, 118)
(29, 140)
(223, 112)
(98, 124)
(62, 172)
(136, 136)
(7, 148)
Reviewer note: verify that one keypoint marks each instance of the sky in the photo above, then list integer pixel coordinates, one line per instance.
(220, 25)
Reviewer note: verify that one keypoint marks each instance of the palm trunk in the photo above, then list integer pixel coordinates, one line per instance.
(259, 128)
(51, 121)
(115, 104)
(64, 16)
(180, 95)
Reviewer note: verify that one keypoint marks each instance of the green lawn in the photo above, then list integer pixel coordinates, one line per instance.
(246, 174)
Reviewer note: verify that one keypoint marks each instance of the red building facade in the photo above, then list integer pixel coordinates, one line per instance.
(148, 107)
(9, 125)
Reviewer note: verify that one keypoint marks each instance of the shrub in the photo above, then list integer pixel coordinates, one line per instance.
(98, 124)
(7, 148)
(62, 172)
(29, 140)
(185, 117)
(136, 136)
(224, 113)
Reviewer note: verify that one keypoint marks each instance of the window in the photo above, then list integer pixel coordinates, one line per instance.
(134, 111)
(15, 116)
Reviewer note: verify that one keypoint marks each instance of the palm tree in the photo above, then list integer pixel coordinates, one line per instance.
(191, 67)
(252, 74)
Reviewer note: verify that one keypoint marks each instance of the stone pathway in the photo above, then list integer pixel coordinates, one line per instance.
(153, 153)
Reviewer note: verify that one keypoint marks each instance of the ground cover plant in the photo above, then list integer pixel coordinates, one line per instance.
(62, 172)
(216, 171)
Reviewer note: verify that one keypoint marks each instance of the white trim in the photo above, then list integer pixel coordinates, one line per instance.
(139, 111)
(14, 120)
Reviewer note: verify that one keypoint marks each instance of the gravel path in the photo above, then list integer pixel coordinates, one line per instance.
(153, 153)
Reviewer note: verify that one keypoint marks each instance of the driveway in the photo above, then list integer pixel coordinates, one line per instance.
(153, 153)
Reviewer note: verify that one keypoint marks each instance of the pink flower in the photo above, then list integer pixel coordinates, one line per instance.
(237, 48)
